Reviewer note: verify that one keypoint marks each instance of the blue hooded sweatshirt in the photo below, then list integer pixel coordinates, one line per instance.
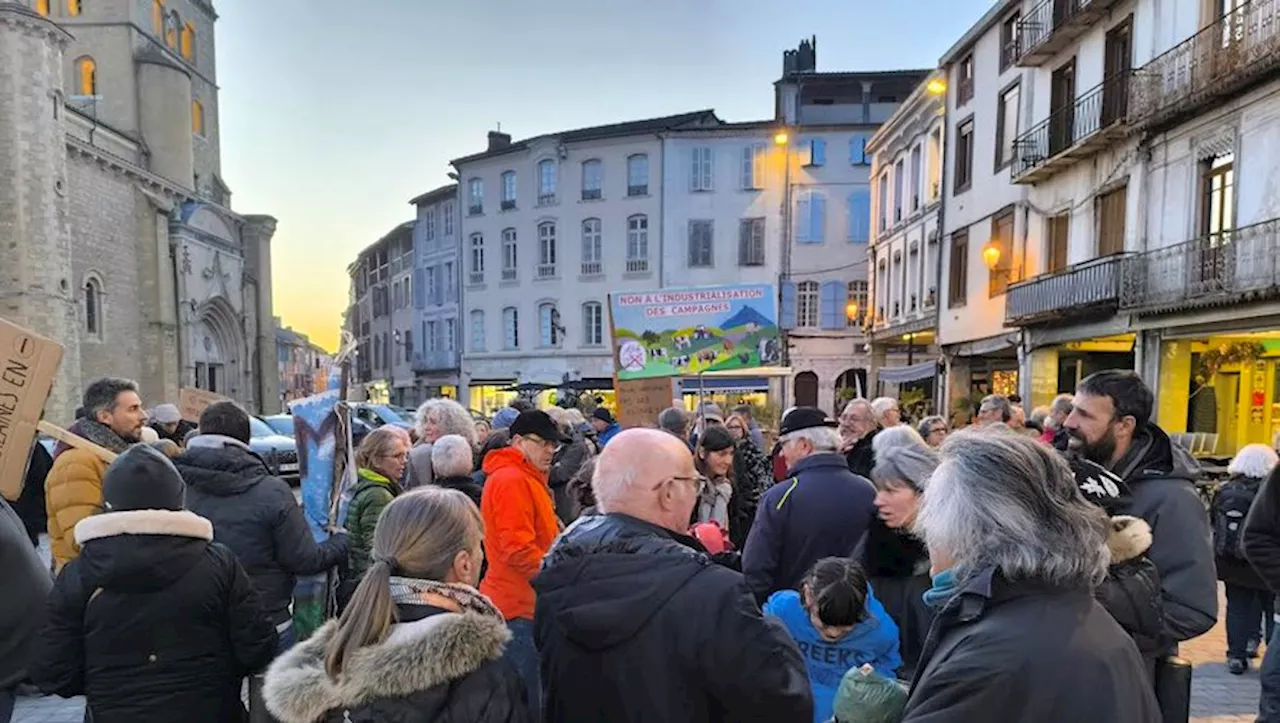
(874, 641)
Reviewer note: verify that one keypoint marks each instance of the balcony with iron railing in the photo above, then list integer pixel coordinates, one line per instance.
(1225, 59)
(1079, 130)
(546, 271)
(509, 274)
(1084, 289)
(1053, 24)
(637, 266)
(917, 318)
(1233, 266)
(476, 277)
(426, 361)
(592, 268)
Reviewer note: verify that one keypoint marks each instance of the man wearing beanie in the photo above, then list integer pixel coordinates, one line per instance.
(153, 619)
(253, 512)
(605, 425)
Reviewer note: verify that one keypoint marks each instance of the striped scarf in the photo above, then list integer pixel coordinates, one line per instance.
(453, 596)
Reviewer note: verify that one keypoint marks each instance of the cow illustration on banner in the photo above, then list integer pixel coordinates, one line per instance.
(677, 332)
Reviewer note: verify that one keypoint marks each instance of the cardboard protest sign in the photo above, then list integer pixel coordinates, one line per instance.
(28, 363)
(192, 402)
(640, 401)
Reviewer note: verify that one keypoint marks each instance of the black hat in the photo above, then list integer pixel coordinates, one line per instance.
(715, 438)
(539, 423)
(142, 478)
(604, 416)
(805, 418)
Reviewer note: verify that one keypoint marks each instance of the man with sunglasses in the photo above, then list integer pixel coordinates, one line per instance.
(520, 524)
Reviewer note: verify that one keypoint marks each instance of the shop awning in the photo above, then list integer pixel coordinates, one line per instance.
(913, 373)
(692, 385)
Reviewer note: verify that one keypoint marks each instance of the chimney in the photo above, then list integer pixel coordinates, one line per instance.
(498, 140)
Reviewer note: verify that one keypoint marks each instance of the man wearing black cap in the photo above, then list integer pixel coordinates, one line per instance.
(605, 425)
(520, 524)
(820, 510)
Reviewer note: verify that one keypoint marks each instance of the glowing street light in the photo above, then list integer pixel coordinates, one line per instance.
(780, 138)
(937, 86)
(991, 255)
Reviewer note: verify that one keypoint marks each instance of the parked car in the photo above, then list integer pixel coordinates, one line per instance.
(376, 415)
(282, 424)
(279, 452)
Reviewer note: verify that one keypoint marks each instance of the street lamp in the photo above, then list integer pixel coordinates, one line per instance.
(851, 311)
(780, 138)
(937, 86)
(991, 254)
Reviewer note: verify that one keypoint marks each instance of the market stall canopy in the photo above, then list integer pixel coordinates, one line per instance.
(913, 373)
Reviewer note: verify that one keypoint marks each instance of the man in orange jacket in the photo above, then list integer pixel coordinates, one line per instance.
(520, 524)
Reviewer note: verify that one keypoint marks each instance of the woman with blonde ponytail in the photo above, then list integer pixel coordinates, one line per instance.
(417, 642)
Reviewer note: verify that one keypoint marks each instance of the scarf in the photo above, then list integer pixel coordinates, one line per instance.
(944, 588)
(713, 501)
(453, 596)
(98, 433)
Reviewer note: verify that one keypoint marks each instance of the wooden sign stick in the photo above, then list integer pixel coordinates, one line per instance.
(75, 440)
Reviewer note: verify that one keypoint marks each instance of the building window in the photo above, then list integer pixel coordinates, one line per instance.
(751, 242)
(638, 243)
(592, 248)
(1007, 111)
(87, 76)
(93, 307)
(408, 345)
(433, 336)
(157, 17)
(548, 325)
(811, 217)
(934, 173)
(592, 180)
(701, 169)
(1110, 211)
(546, 182)
(508, 190)
(858, 150)
(916, 160)
(475, 197)
(511, 328)
(449, 283)
(701, 244)
(753, 166)
(859, 298)
(859, 212)
(446, 212)
(429, 225)
(509, 265)
(1002, 274)
(958, 273)
(477, 330)
(807, 304)
(964, 80)
(172, 26)
(817, 152)
(73, 7)
(477, 258)
(882, 218)
(638, 175)
(450, 334)
(546, 250)
(1058, 232)
(42, 7)
(1009, 41)
(899, 186)
(964, 156)
(197, 118)
(1217, 207)
(188, 43)
(592, 324)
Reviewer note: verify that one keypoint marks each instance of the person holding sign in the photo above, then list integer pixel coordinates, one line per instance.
(113, 418)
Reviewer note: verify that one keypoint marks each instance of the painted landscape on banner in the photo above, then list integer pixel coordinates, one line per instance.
(677, 332)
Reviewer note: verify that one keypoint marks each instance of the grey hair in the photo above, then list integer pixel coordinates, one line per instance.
(1003, 500)
(911, 462)
(450, 416)
(898, 436)
(860, 402)
(1062, 405)
(673, 419)
(823, 439)
(883, 404)
(929, 421)
(998, 401)
(1253, 460)
(452, 456)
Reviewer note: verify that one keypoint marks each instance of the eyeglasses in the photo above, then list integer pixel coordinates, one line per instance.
(936, 430)
(548, 444)
(697, 480)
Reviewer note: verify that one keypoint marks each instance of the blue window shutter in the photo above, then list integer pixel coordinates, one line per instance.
(860, 215)
(818, 203)
(787, 305)
(819, 151)
(855, 150)
(419, 288)
(804, 218)
(841, 296)
(827, 305)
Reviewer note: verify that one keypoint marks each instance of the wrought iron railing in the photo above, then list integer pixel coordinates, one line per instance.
(1097, 109)
(1241, 46)
(508, 274)
(428, 360)
(1047, 18)
(1083, 286)
(546, 271)
(592, 268)
(477, 277)
(1223, 267)
(637, 266)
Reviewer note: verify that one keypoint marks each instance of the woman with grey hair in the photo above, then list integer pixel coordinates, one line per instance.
(933, 430)
(1016, 553)
(436, 418)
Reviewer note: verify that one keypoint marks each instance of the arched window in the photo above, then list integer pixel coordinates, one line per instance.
(592, 179)
(546, 249)
(171, 30)
(93, 307)
(87, 76)
(638, 243)
(592, 324)
(73, 7)
(197, 118)
(42, 7)
(548, 325)
(477, 330)
(188, 41)
(592, 247)
(157, 17)
(510, 328)
(546, 182)
(807, 295)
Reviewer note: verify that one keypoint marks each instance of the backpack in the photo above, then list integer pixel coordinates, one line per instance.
(1230, 507)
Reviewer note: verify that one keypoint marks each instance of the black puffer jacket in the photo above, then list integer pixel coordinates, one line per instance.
(751, 477)
(635, 623)
(566, 463)
(23, 603)
(436, 666)
(153, 622)
(256, 515)
(1131, 592)
(897, 565)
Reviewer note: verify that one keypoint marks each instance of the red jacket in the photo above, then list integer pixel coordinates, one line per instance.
(520, 524)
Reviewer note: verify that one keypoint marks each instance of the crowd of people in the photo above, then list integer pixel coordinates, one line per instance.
(549, 565)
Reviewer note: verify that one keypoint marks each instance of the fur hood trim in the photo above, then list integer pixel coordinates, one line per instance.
(416, 656)
(144, 522)
(1129, 537)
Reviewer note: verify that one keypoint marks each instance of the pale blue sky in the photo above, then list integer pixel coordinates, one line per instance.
(335, 113)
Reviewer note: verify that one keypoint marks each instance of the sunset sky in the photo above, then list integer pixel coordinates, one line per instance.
(334, 114)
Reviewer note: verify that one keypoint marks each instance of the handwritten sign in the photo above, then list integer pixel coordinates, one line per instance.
(640, 401)
(28, 363)
(192, 402)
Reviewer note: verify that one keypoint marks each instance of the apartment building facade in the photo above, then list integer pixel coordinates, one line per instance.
(381, 317)
(436, 353)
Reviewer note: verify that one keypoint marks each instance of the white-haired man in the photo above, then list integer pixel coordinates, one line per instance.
(626, 596)
(821, 510)
(888, 413)
(451, 462)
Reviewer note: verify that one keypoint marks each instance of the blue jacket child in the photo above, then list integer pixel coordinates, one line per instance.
(838, 624)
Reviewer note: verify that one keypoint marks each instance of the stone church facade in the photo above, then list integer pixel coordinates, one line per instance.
(117, 237)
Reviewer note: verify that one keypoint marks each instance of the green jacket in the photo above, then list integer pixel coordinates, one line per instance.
(373, 493)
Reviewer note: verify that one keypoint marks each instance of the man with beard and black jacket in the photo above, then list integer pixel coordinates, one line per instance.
(1109, 424)
(634, 622)
(253, 512)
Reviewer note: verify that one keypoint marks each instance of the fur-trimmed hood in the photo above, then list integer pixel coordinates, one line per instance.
(141, 550)
(143, 522)
(415, 657)
(1129, 537)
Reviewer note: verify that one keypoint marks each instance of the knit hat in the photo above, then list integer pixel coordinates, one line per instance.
(166, 414)
(142, 478)
(714, 439)
(504, 418)
(604, 416)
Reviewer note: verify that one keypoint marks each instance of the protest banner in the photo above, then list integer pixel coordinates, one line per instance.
(192, 402)
(28, 363)
(640, 401)
(679, 332)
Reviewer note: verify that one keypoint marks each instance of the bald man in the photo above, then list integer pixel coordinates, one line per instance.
(625, 596)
